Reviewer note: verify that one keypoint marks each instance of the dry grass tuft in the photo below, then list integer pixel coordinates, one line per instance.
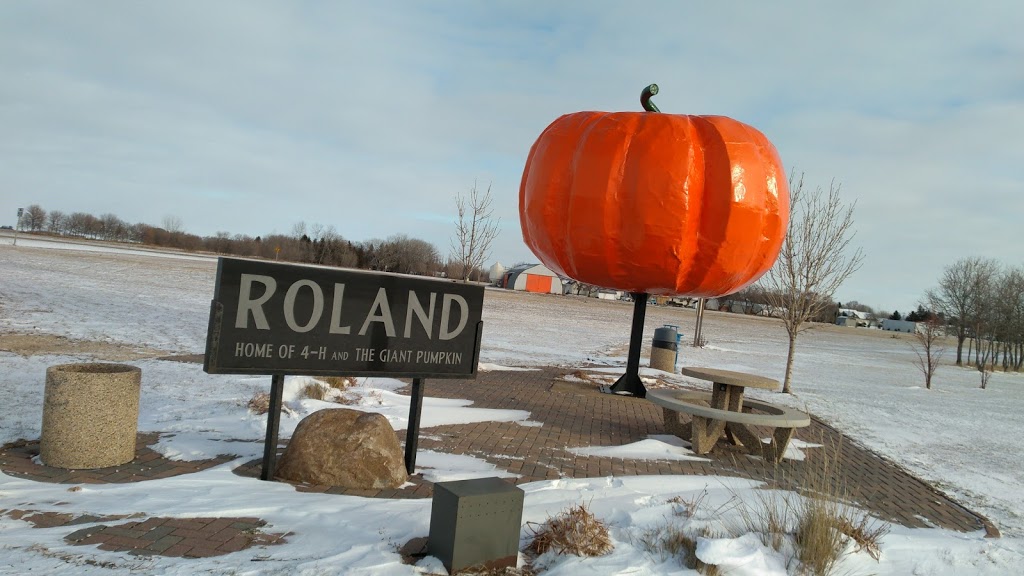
(574, 531)
(346, 398)
(768, 517)
(259, 404)
(819, 523)
(687, 507)
(338, 382)
(315, 391)
(328, 384)
(866, 532)
(524, 571)
(818, 546)
(670, 540)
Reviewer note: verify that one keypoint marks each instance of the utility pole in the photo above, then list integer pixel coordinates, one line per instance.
(697, 337)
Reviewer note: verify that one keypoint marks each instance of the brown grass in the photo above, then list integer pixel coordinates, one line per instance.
(259, 403)
(687, 507)
(866, 532)
(524, 571)
(818, 546)
(338, 382)
(321, 388)
(573, 531)
(820, 521)
(342, 384)
(670, 540)
(314, 391)
(768, 517)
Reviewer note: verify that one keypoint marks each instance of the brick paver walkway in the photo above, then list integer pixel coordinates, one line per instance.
(572, 414)
(18, 459)
(576, 414)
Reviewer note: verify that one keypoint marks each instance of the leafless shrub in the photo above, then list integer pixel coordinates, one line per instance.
(985, 369)
(574, 531)
(929, 348)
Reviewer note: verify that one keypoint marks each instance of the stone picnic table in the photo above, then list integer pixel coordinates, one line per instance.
(725, 410)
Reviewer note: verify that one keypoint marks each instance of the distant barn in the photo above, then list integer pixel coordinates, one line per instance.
(899, 326)
(533, 278)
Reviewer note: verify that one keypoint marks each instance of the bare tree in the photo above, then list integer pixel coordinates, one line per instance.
(78, 224)
(985, 367)
(929, 348)
(815, 260)
(959, 295)
(173, 224)
(400, 253)
(1002, 311)
(55, 222)
(112, 228)
(34, 218)
(475, 229)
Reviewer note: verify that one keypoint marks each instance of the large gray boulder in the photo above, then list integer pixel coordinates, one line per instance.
(342, 447)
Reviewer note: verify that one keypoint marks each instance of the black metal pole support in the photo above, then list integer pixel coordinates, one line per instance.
(630, 383)
(412, 432)
(273, 425)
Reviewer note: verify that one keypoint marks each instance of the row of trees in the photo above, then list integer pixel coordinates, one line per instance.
(315, 244)
(981, 302)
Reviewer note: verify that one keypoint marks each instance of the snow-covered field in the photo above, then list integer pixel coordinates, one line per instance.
(956, 436)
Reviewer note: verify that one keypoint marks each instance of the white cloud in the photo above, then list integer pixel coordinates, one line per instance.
(248, 117)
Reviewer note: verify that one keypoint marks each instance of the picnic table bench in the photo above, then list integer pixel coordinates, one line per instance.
(725, 410)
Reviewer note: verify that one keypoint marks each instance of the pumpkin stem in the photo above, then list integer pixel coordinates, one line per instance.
(645, 98)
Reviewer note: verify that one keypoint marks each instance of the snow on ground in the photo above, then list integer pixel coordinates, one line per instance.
(956, 436)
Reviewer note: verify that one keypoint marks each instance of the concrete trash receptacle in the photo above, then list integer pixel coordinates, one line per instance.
(664, 348)
(90, 415)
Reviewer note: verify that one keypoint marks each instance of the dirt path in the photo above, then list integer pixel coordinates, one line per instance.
(41, 344)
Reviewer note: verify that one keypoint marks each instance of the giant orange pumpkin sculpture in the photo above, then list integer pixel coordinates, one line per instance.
(654, 203)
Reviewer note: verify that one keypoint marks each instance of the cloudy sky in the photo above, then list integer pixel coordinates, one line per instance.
(370, 116)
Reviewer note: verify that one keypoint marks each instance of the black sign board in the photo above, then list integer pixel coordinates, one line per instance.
(278, 319)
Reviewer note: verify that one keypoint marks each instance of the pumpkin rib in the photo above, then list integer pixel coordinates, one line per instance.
(620, 251)
(595, 165)
(543, 202)
(770, 238)
(711, 229)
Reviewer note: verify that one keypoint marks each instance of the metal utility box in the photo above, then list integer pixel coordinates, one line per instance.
(475, 522)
